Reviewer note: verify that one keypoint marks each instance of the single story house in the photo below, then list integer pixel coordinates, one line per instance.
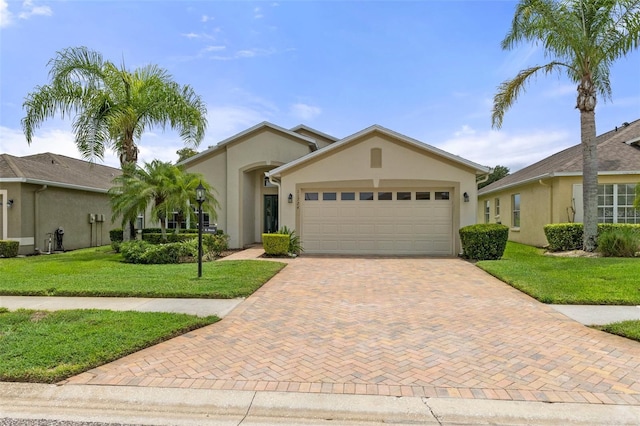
(44, 193)
(374, 192)
(550, 191)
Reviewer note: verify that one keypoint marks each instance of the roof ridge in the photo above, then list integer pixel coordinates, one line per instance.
(14, 167)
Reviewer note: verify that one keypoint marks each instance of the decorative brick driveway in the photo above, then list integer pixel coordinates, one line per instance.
(414, 327)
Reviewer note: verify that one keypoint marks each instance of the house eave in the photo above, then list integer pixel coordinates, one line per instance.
(515, 184)
(54, 184)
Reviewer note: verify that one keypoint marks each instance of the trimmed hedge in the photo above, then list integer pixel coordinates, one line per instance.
(146, 253)
(275, 244)
(568, 236)
(9, 248)
(485, 241)
(115, 235)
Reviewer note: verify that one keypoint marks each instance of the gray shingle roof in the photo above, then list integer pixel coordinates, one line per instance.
(614, 155)
(57, 170)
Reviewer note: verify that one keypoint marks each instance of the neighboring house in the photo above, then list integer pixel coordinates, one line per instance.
(550, 191)
(45, 192)
(374, 192)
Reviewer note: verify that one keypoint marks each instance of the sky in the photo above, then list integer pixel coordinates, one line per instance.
(426, 69)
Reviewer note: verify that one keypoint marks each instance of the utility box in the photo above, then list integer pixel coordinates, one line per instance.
(92, 218)
(99, 218)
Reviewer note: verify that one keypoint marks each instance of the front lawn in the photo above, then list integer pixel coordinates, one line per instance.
(100, 272)
(568, 280)
(628, 329)
(46, 347)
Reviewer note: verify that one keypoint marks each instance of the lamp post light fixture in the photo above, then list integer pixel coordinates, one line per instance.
(200, 194)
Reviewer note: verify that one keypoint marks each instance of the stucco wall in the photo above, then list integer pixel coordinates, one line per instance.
(541, 203)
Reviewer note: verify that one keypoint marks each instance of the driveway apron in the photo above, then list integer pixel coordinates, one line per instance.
(391, 326)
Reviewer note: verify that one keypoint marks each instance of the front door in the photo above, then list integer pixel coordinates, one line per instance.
(270, 213)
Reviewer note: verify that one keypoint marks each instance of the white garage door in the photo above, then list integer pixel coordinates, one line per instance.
(398, 222)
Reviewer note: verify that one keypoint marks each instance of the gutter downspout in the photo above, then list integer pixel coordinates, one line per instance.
(483, 179)
(36, 214)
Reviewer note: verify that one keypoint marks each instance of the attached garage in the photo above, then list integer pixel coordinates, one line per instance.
(404, 221)
(378, 192)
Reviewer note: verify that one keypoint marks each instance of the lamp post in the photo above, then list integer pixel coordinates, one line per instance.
(200, 192)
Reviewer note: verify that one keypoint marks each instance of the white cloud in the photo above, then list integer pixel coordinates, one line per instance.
(13, 142)
(206, 18)
(29, 10)
(257, 13)
(225, 121)
(245, 53)
(491, 148)
(305, 112)
(190, 35)
(214, 48)
(6, 17)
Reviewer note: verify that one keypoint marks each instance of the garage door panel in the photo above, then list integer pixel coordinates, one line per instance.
(377, 226)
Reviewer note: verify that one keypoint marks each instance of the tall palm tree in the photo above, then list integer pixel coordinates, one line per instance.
(583, 38)
(113, 106)
(161, 186)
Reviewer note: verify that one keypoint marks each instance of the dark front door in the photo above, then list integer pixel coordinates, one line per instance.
(270, 213)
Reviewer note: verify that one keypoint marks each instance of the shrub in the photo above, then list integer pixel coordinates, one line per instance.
(568, 236)
(564, 236)
(620, 242)
(115, 235)
(115, 245)
(275, 244)
(485, 241)
(146, 253)
(215, 244)
(156, 238)
(9, 248)
(294, 241)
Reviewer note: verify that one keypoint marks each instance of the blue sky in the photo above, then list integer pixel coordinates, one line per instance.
(427, 69)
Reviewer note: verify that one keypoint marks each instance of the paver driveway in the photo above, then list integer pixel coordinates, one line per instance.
(414, 327)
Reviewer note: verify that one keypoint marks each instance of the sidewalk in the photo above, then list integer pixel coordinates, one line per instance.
(162, 406)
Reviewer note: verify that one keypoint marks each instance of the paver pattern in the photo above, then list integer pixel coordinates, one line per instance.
(391, 326)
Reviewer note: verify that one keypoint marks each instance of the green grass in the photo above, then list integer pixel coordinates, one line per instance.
(46, 347)
(628, 329)
(100, 272)
(565, 280)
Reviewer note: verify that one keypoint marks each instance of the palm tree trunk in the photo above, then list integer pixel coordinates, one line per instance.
(589, 178)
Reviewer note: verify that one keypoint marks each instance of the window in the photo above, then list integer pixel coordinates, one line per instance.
(423, 195)
(615, 204)
(311, 196)
(140, 222)
(496, 206)
(403, 196)
(376, 158)
(487, 211)
(443, 195)
(515, 218)
(366, 196)
(329, 196)
(348, 196)
(385, 195)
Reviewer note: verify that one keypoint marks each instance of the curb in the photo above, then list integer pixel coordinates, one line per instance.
(169, 406)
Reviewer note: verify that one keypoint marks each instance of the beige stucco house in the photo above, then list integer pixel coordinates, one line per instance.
(550, 191)
(42, 193)
(374, 192)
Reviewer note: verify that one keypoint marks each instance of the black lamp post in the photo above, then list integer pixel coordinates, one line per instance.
(200, 193)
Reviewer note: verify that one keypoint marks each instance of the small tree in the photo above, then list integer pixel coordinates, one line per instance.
(498, 173)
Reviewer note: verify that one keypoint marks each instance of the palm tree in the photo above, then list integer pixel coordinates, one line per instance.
(113, 106)
(583, 38)
(161, 186)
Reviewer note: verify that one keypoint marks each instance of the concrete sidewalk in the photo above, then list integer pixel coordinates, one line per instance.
(162, 406)
(199, 307)
(585, 314)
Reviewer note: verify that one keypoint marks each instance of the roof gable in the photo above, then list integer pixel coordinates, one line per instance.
(377, 129)
(617, 153)
(57, 170)
(248, 132)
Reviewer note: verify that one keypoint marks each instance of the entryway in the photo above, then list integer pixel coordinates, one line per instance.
(270, 213)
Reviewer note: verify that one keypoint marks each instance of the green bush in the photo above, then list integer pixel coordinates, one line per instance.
(564, 236)
(115, 235)
(156, 238)
(9, 248)
(620, 242)
(115, 245)
(568, 236)
(215, 244)
(294, 241)
(485, 241)
(275, 244)
(147, 253)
